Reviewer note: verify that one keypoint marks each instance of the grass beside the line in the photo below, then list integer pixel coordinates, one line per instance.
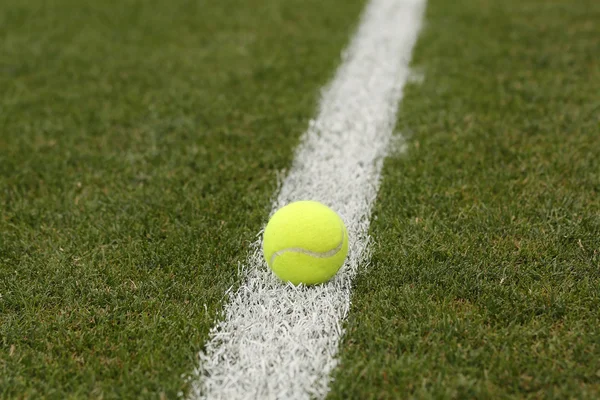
(485, 279)
(140, 147)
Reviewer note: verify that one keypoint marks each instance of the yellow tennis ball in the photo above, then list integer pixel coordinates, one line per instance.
(305, 242)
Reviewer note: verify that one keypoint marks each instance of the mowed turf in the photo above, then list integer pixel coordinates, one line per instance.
(140, 144)
(485, 279)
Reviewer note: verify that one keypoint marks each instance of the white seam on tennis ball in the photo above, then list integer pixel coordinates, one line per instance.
(277, 341)
(323, 254)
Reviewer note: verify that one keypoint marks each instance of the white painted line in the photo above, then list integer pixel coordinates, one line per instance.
(280, 342)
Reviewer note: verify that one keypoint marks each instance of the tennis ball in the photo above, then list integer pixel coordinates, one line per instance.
(305, 242)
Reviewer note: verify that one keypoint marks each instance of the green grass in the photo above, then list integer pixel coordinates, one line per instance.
(140, 143)
(485, 281)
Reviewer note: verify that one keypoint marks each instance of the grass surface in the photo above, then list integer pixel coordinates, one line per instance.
(485, 281)
(140, 143)
(139, 148)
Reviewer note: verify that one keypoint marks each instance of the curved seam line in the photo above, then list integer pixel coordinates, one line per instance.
(328, 253)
